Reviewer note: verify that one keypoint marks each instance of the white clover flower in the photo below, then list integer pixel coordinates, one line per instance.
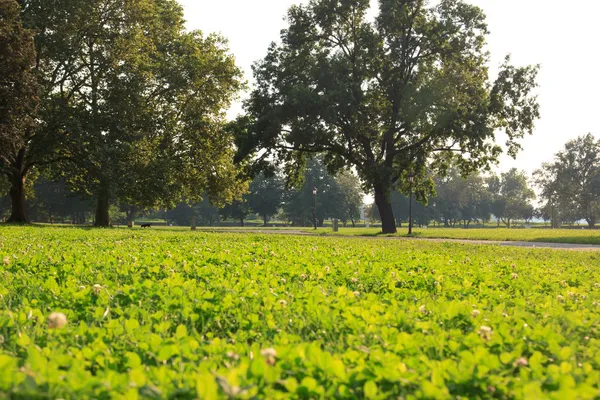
(521, 362)
(354, 280)
(514, 275)
(475, 313)
(268, 352)
(560, 298)
(283, 303)
(57, 320)
(97, 289)
(356, 294)
(423, 309)
(485, 332)
(6, 260)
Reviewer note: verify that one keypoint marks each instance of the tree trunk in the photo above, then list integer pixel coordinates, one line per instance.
(242, 222)
(102, 218)
(131, 214)
(17, 197)
(382, 200)
(591, 223)
(265, 219)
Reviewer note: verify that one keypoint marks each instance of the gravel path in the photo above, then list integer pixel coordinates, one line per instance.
(531, 245)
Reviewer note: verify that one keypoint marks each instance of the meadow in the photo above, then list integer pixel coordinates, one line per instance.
(565, 235)
(574, 236)
(120, 313)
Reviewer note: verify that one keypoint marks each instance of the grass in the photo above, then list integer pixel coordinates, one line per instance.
(574, 236)
(172, 314)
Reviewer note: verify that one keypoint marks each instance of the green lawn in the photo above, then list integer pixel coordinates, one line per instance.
(581, 236)
(167, 314)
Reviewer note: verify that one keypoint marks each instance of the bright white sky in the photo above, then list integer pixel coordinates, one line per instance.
(560, 36)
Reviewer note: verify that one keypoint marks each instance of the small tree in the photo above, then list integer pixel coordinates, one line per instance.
(512, 197)
(266, 196)
(238, 210)
(571, 183)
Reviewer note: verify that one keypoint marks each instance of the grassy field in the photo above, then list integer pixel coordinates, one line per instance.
(581, 236)
(167, 314)
(574, 236)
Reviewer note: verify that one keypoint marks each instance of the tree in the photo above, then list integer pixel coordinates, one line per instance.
(348, 198)
(238, 210)
(53, 202)
(139, 100)
(266, 195)
(451, 197)
(18, 106)
(388, 97)
(476, 206)
(512, 197)
(206, 214)
(337, 196)
(422, 214)
(572, 180)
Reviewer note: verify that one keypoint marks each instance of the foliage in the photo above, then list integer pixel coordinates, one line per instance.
(54, 201)
(237, 210)
(338, 196)
(511, 196)
(571, 183)
(266, 195)
(385, 98)
(206, 214)
(19, 141)
(159, 314)
(139, 99)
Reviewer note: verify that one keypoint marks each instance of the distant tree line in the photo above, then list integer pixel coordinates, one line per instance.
(463, 201)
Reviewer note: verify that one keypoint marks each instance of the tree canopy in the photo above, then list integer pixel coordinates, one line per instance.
(18, 106)
(138, 99)
(511, 196)
(570, 184)
(389, 98)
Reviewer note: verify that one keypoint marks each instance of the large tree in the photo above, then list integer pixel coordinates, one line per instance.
(18, 105)
(140, 101)
(386, 97)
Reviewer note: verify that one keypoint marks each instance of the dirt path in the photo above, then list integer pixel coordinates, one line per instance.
(531, 245)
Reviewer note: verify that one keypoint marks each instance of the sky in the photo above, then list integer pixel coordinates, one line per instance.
(560, 36)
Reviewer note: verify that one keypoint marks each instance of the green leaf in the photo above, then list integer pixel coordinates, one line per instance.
(207, 387)
(181, 332)
(133, 360)
(370, 390)
(23, 340)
